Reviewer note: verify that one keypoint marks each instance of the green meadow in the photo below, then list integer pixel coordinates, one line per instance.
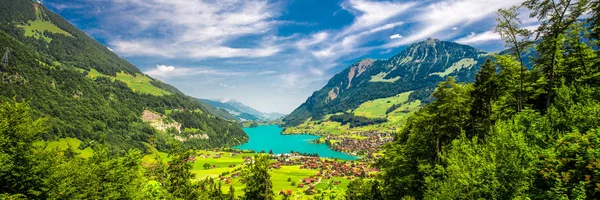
(372, 109)
(139, 83)
(64, 144)
(36, 29)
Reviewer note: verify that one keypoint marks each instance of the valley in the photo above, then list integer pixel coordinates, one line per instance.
(90, 111)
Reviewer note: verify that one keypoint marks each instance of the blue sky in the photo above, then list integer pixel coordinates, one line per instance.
(272, 55)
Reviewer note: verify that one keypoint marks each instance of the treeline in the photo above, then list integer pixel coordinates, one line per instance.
(514, 133)
(355, 121)
(28, 171)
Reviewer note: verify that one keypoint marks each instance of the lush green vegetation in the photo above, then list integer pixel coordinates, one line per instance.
(90, 94)
(515, 133)
(356, 121)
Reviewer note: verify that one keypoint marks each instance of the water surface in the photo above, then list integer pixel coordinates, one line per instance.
(269, 137)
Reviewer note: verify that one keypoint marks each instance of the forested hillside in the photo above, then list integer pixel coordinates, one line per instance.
(88, 92)
(515, 133)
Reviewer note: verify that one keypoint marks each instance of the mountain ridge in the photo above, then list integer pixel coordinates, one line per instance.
(241, 111)
(419, 68)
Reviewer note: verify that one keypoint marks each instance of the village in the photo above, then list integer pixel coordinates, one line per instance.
(325, 170)
(366, 144)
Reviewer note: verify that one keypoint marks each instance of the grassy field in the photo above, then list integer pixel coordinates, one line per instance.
(64, 144)
(279, 177)
(36, 29)
(372, 109)
(139, 83)
(377, 108)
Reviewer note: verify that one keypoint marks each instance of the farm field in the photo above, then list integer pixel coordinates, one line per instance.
(279, 177)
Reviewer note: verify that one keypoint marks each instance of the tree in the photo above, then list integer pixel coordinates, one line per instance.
(206, 166)
(231, 194)
(18, 131)
(570, 169)
(179, 176)
(516, 39)
(258, 182)
(271, 151)
(485, 91)
(555, 17)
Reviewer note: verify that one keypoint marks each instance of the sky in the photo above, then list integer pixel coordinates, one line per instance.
(272, 55)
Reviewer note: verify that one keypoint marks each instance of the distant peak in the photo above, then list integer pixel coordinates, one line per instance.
(431, 41)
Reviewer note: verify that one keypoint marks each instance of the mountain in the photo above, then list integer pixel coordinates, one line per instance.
(88, 92)
(242, 112)
(417, 69)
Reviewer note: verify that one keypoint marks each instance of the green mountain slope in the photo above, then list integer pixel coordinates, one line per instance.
(418, 68)
(90, 93)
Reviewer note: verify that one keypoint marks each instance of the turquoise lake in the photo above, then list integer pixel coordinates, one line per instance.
(269, 137)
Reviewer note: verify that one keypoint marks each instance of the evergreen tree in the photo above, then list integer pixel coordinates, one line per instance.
(231, 194)
(258, 182)
(18, 131)
(485, 92)
(179, 182)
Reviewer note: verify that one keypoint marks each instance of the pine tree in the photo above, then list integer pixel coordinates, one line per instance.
(179, 176)
(485, 91)
(258, 182)
(18, 131)
(231, 194)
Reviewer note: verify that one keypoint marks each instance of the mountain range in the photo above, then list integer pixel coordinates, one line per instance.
(416, 71)
(89, 93)
(242, 112)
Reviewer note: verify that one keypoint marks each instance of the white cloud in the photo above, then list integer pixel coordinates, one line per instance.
(439, 16)
(370, 14)
(474, 38)
(313, 40)
(194, 28)
(165, 71)
(396, 36)
(455, 28)
(370, 17)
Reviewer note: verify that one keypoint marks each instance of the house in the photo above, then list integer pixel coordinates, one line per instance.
(336, 182)
(285, 192)
(228, 181)
(300, 185)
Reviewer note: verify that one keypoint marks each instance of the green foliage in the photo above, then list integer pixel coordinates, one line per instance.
(18, 131)
(258, 182)
(179, 177)
(363, 189)
(477, 143)
(571, 169)
(355, 121)
(98, 110)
